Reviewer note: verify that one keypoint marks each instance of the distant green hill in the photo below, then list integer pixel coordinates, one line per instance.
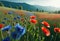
(17, 5)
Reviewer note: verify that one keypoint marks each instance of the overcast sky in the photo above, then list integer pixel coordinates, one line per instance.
(54, 3)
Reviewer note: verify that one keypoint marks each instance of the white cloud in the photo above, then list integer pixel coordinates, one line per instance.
(55, 3)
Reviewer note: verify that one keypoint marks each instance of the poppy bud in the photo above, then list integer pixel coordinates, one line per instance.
(54, 25)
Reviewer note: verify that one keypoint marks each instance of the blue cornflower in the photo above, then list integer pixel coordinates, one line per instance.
(5, 18)
(6, 39)
(3, 22)
(15, 35)
(15, 18)
(18, 17)
(19, 29)
(10, 12)
(7, 28)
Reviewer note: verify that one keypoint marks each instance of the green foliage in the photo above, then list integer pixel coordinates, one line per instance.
(31, 33)
(1, 4)
(21, 8)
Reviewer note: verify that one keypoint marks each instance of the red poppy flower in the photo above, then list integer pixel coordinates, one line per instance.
(33, 21)
(1, 26)
(46, 31)
(57, 30)
(32, 17)
(46, 24)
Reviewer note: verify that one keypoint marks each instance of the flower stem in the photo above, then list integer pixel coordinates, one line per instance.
(55, 37)
(16, 40)
(51, 38)
(1, 35)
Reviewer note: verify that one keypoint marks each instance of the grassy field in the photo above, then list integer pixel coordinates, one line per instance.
(33, 31)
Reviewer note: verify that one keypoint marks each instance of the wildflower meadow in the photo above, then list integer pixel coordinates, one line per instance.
(15, 27)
